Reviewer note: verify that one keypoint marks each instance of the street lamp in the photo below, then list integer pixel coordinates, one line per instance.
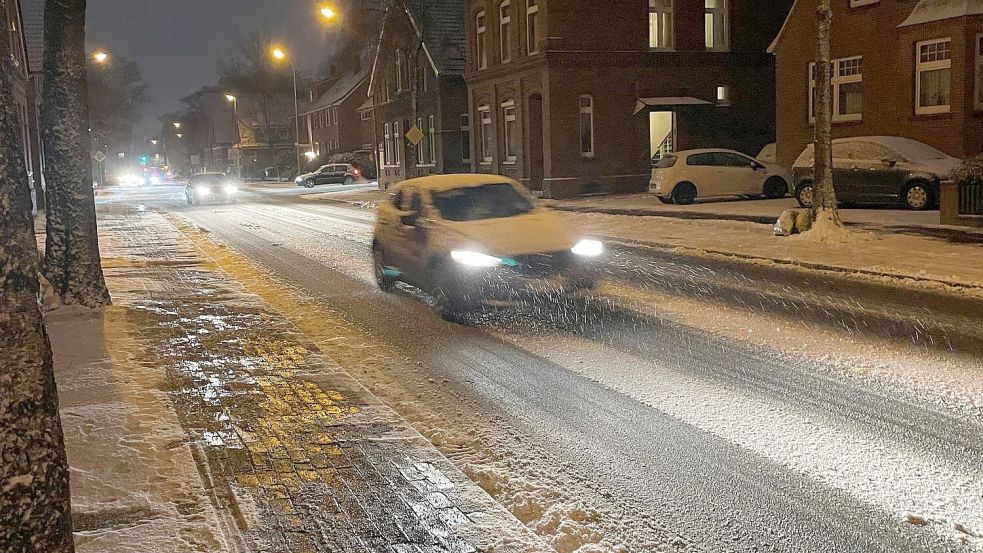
(100, 57)
(177, 124)
(235, 122)
(280, 55)
(327, 12)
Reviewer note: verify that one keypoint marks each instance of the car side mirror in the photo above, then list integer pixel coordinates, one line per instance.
(890, 161)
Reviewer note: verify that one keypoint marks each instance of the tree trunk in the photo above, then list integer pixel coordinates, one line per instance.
(824, 206)
(35, 504)
(71, 256)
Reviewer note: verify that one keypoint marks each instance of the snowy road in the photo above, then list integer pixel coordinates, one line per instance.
(693, 403)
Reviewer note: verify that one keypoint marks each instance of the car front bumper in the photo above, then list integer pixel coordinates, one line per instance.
(537, 275)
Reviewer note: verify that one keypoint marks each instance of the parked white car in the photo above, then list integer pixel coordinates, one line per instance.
(682, 177)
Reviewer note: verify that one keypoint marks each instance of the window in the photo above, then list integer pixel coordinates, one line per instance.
(334, 117)
(487, 134)
(587, 126)
(421, 146)
(979, 73)
(933, 65)
(532, 26)
(397, 142)
(399, 70)
(387, 150)
(433, 140)
(365, 116)
(661, 35)
(505, 30)
(847, 83)
(466, 137)
(715, 17)
(723, 95)
(480, 34)
(511, 132)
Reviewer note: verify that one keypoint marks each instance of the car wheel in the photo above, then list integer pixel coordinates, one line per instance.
(775, 187)
(665, 200)
(309, 183)
(917, 196)
(804, 194)
(453, 305)
(386, 283)
(349, 181)
(684, 193)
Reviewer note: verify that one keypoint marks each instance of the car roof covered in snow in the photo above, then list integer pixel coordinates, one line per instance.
(911, 149)
(438, 183)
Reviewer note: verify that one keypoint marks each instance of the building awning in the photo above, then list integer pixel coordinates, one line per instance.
(668, 102)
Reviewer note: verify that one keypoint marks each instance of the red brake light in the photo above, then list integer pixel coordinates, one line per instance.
(357, 172)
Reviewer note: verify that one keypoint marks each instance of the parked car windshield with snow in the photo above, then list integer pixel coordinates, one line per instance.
(885, 170)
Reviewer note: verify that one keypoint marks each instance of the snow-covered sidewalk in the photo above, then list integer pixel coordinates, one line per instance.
(199, 419)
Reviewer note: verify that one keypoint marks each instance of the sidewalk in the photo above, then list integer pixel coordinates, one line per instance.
(198, 419)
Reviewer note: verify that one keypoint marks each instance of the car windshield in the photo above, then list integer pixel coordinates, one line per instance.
(491, 201)
(206, 179)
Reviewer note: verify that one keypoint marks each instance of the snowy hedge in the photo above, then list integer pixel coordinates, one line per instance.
(970, 172)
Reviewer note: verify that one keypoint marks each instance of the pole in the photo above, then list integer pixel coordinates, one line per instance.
(235, 121)
(296, 117)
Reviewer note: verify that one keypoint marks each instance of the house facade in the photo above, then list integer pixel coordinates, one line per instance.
(575, 97)
(332, 119)
(23, 34)
(910, 68)
(418, 91)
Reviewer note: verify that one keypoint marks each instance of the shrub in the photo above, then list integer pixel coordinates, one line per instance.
(970, 172)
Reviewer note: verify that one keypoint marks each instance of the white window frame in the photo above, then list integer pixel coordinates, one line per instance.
(399, 70)
(397, 142)
(466, 132)
(431, 122)
(721, 12)
(481, 40)
(387, 149)
(670, 29)
(532, 27)
(835, 81)
(586, 110)
(509, 116)
(485, 119)
(421, 146)
(921, 67)
(365, 116)
(978, 97)
(505, 30)
(334, 117)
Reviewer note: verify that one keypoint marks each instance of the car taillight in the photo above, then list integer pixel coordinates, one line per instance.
(357, 172)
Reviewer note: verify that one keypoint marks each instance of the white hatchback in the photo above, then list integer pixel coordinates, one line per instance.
(682, 177)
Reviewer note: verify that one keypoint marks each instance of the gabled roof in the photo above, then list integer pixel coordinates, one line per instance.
(439, 26)
(339, 92)
(778, 37)
(928, 11)
(32, 13)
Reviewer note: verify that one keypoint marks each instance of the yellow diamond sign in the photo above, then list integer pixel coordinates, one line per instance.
(414, 135)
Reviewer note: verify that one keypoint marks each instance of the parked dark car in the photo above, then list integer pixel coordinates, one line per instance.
(335, 173)
(883, 170)
(211, 187)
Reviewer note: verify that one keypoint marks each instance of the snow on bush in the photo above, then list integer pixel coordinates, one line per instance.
(970, 172)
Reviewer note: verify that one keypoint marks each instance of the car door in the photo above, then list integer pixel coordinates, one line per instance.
(879, 170)
(848, 178)
(702, 170)
(413, 237)
(738, 175)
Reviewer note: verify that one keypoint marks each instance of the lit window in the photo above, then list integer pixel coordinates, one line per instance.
(661, 35)
(715, 17)
(487, 134)
(587, 126)
(847, 83)
(933, 67)
(466, 137)
(532, 26)
(481, 30)
(505, 30)
(723, 95)
(511, 132)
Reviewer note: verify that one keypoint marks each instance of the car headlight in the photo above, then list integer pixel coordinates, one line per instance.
(299, 180)
(475, 259)
(230, 189)
(203, 191)
(588, 248)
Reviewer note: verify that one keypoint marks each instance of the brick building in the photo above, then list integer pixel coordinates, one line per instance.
(25, 44)
(573, 97)
(418, 90)
(332, 119)
(910, 68)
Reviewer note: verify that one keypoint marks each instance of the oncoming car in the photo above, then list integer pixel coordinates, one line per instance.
(472, 239)
(211, 187)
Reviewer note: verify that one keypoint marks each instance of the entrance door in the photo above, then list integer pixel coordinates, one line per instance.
(536, 153)
(662, 134)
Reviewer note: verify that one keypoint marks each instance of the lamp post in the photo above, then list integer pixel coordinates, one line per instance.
(100, 57)
(235, 121)
(280, 54)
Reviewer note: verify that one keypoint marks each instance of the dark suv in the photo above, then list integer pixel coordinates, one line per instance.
(336, 173)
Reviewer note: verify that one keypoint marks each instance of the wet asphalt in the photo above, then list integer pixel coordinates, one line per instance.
(655, 468)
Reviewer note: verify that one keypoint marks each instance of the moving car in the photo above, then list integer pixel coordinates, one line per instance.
(472, 239)
(682, 177)
(211, 187)
(886, 170)
(335, 173)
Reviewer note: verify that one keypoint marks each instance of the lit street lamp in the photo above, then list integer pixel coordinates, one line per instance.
(328, 13)
(235, 122)
(100, 57)
(280, 55)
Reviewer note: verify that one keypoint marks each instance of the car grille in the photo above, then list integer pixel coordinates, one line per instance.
(543, 264)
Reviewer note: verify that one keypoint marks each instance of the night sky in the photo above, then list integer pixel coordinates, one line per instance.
(179, 43)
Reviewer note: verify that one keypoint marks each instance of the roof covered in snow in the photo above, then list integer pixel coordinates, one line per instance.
(928, 11)
(340, 91)
(32, 13)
